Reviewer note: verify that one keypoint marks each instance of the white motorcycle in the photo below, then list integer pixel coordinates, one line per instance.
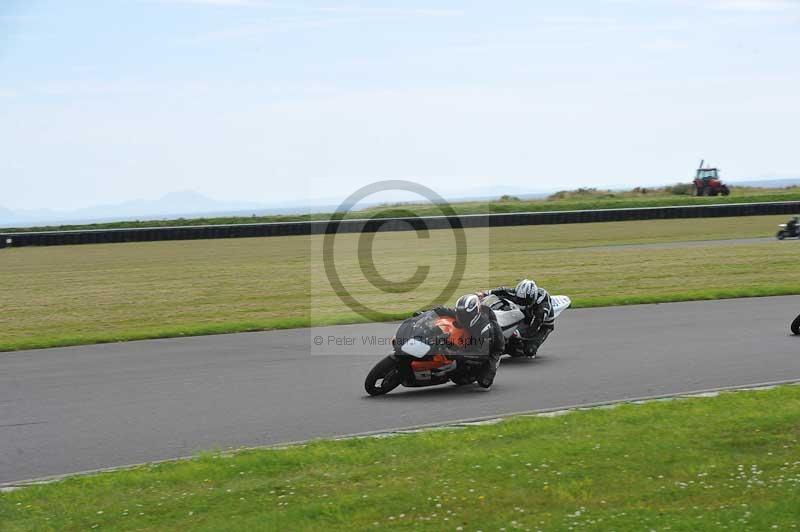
(511, 319)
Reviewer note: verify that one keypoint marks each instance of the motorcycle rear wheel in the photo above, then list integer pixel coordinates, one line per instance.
(385, 371)
(796, 325)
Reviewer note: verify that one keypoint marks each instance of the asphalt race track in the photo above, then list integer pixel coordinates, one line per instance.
(74, 409)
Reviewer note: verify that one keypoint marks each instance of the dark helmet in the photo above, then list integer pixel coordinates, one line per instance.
(468, 310)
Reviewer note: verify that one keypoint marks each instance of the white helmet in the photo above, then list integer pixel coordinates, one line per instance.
(526, 289)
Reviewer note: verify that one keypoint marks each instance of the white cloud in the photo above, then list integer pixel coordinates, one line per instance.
(223, 3)
(274, 25)
(334, 9)
(389, 11)
(106, 88)
(733, 6)
(306, 18)
(666, 45)
(755, 5)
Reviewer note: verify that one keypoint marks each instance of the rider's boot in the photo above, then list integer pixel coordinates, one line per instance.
(531, 347)
(486, 377)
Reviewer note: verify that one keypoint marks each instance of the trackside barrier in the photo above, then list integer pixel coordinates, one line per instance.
(149, 234)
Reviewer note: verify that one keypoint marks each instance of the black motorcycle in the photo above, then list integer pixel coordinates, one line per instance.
(788, 231)
(795, 326)
(423, 356)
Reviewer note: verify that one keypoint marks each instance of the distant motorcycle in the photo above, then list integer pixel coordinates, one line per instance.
(787, 232)
(795, 326)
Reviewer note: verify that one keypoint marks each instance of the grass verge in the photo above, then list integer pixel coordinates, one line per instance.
(45, 342)
(730, 462)
(70, 295)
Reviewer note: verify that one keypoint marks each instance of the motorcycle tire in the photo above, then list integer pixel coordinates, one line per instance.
(385, 371)
(462, 380)
(795, 325)
(781, 235)
(515, 349)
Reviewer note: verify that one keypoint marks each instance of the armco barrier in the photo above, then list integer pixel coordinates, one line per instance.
(147, 234)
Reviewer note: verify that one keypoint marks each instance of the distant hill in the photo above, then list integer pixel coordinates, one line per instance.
(185, 203)
(191, 204)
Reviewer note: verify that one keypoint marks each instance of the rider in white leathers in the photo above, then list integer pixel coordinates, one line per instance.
(538, 308)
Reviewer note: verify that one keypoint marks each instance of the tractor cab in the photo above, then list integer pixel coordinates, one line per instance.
(708, 183)
(707, 174)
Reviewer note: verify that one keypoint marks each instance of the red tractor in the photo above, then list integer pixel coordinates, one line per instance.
(707, 182)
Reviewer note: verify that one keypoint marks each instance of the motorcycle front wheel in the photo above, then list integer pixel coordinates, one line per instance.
(781, 235)
(796, 325)
(383, 378)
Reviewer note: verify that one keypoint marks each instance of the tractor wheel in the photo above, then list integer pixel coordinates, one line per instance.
(706, 191)
(725, 191)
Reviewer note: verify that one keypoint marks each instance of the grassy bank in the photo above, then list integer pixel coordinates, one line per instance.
(567, 201)
(70, 295)
(730, 462)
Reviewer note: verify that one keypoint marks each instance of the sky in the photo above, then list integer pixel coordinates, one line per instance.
(250, 100)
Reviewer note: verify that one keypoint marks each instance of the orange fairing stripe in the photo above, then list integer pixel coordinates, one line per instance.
(437, 362)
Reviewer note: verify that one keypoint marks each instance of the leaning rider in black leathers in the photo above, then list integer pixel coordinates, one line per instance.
(538, 308)
(486, 342)
(792, 226)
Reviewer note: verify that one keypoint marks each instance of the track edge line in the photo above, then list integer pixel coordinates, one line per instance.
(459, 423)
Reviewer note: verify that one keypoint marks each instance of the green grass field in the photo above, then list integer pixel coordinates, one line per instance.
(68, 295)
(725, 463)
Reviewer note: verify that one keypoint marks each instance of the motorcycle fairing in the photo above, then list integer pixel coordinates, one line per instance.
(438, 366)
(508, 313)
(560, 304)
(509, 318)
(419, 337)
